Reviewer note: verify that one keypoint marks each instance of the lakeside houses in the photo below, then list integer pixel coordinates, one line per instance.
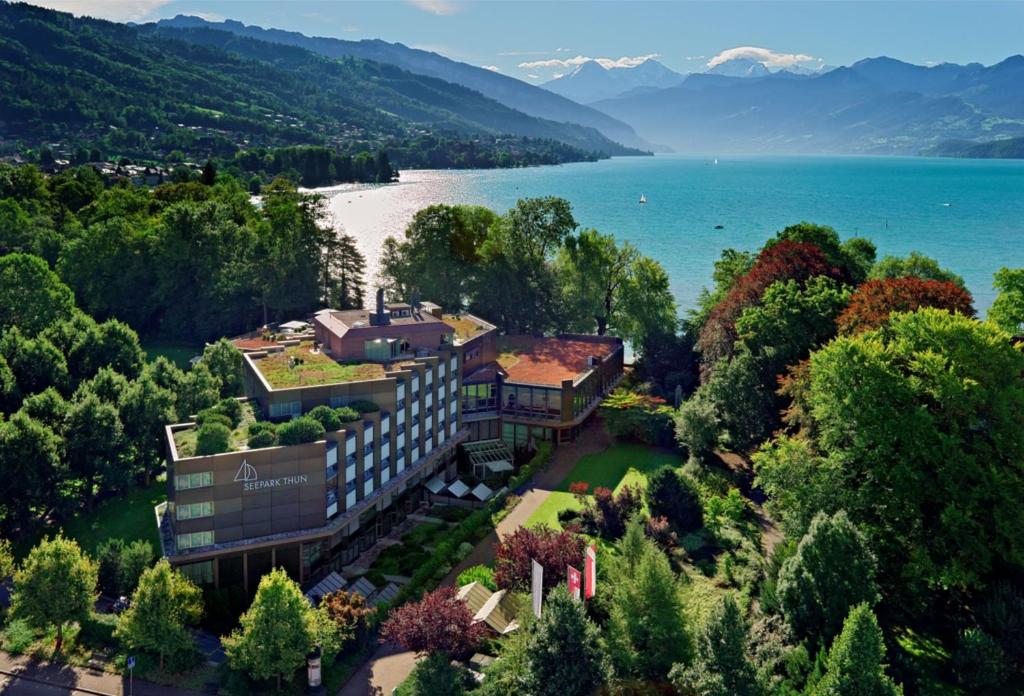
(440, 396)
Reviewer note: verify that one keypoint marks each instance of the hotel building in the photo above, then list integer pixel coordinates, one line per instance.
(424, 383)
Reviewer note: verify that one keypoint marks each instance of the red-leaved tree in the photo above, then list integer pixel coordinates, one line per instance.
(873, 302)
(786, 260)
(440, 622)
(552, 549)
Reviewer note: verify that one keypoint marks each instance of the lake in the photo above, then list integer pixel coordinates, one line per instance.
(969, 214)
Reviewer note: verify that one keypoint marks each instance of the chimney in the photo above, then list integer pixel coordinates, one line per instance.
(381, 317)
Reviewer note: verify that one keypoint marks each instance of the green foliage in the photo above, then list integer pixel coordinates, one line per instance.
(675, 497)
(32, 297)
(347, 414)
(979, 662)
(262, 434)
(832, 570)
(913, 265)
(478, 573)
(55, 585)
(435, 676)
(646, 630)
(213, 438)
(122, 564)
(853, 257)
(563, 657)
(276, 633)
(362, 406)
(327, 417)
(630, 415)
(7, 559)
(855, 663)
(722, 667)
(1007, 311)
(164, 605)
(25, 488)
(225, 363)
(300, 430)
(697, 427)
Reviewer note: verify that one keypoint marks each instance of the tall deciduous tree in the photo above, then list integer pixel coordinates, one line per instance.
(722, 667)
(593, 270)
(224, 361)
(440, 622)
(55, 585)
(31, 295)
(874, 301)
(30, 468)
(856, 661)
(554, 550)
(913, 265)
(163, 607)
(563, 653)
(276, 633)
(1007, 311)
(833, 569)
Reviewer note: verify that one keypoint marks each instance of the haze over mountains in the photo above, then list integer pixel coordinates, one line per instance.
(591, 81)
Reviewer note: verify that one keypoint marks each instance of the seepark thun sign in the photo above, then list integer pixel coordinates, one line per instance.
(251, 481)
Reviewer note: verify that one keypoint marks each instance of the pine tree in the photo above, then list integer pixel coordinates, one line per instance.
(277, 632)
(163, 606)
(722, 667)
(55, 586)
(855, 666)
(344, 269)
(563, 653)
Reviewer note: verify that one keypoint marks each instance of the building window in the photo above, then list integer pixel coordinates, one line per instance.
(479, 397)
(401, 430)
(193, 511)
(184, 482)
(368, 474)
(350, 486)
(195, 540)
(401, 404)
(200, 573)
(286, 409)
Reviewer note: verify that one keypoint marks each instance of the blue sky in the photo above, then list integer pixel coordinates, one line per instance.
(539, 40)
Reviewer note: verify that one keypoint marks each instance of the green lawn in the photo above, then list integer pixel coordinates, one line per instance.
(128, 517)
(619, 465)
(177, 353)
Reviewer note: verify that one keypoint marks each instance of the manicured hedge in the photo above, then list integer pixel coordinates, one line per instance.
(300, 430)
(213, 438)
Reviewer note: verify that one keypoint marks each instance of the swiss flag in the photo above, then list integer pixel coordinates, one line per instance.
(575, 581)
(590, 572)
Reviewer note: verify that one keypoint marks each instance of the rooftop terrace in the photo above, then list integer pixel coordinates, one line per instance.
(466, 326)
(548, 361)
(299, 366)
(185, 438)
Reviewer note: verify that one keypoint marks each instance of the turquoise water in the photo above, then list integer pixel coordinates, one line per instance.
(896, 202)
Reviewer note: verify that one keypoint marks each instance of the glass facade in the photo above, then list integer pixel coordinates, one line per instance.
(479, 397)
(193, 511)
(531, 402)
(184, 482)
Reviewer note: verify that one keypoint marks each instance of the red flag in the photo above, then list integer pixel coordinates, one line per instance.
(590, 572)
(575, 581)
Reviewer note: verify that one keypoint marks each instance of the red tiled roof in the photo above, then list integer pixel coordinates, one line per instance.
(548, 361)
(252, 343)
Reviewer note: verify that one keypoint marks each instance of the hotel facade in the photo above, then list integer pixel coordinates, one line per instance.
(424, 383)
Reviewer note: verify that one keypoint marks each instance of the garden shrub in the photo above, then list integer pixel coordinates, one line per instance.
(327, 417)
(979, 663)
(347, 414)
(121, 565)
(232, 408)
(213, 438)
(478, 573)
(262, 434)
(300, 430)
(364, 406)
(630, 415)
(676, 498)
(212, 415)
(18, 636)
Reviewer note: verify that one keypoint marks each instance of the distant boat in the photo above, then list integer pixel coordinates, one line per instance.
(947, 205)
(719, 227)
(716, 160)
(643, 199)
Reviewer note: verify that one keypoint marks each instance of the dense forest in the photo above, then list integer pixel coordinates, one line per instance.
(1006, 148)
(146, 92)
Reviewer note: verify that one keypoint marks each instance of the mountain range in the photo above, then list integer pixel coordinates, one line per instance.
(513, 93)
(591, 81)
(875, 106)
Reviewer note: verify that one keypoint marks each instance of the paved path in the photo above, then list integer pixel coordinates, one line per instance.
(389, 666)
(25, 676)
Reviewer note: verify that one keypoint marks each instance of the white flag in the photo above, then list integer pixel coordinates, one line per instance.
(590, 572)
(538, 586)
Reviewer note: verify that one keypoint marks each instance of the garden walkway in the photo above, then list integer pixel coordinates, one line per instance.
(389, 666)
(32, 677)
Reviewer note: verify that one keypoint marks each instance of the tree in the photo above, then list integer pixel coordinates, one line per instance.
(344, 267)
(697, 427)
(646, 630)
(30, 468)
(348, 610)
(6, 559)
(438, 623)
(198, 389)
(1007, 311)
(833, 569)
(35, 363)
(873, 302)
(593, 269)
(646, 306)
(212, 438)
(434, 676)
(916, 425)
(300, 430)
(979, 662)
(145, 409)
(209, 175)
(94, 439)
(672, 495)
(55, 585)
(31, 295)
(224, 361)
(854, 666)
(276, 632)
(552, 549)
(163, 606)
(122, 564)
(563, 654)
(852, 258)
(914, 265)
(722, 667)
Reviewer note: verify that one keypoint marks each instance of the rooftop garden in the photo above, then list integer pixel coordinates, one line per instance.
(465, 327)
(221, 428)
(299, 366)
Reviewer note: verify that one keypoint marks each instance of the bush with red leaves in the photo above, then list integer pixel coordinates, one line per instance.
(554, 550)
(873, 302)
(660, 532)
(785, 260)
(440, 622)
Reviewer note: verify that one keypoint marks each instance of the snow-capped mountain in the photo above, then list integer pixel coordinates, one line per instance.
(592, 81)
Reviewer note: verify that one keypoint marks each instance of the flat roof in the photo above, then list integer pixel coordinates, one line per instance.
(299, 366)
(360, 318)
(466, 326)
(549, 361)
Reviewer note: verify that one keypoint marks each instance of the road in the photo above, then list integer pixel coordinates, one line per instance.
(24, 687)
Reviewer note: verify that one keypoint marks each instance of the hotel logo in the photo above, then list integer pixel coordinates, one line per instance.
(246, 472)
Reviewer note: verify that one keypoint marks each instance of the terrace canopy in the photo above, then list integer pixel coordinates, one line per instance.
(435, 485)
(482, 492)
(489, 457)
(458, 489)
